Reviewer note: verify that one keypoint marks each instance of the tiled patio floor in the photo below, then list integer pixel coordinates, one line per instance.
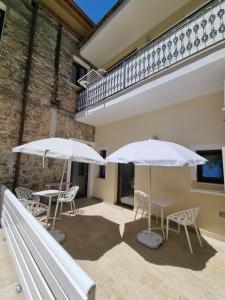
(103, 240)
(8, 277)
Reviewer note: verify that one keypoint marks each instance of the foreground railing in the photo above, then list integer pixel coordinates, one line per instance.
(45, 270)
(200, 31)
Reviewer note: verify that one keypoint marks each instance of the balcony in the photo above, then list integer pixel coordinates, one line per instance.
(194, 37)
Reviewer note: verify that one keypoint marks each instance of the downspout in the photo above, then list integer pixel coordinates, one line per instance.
(26, 89)
(55, 102)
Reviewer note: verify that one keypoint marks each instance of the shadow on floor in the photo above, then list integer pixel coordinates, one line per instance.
(83, 202)
(89, 237)
(173, 252)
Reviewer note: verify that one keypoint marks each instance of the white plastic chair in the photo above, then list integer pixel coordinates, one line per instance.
(67, 197)
(186, 218)
(25, 195)
(143, 202)
(31, 202)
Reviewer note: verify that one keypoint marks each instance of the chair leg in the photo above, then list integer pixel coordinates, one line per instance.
(198, 235)
(156, 216)
(56, 210)
(136, 213)
(188, 238)
(61, 206)
(167, 227)
(143, 210)
(178, 231)
(74, 207)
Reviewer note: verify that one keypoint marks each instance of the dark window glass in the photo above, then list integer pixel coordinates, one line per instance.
(82, 169)
(212, 171)
(77, 72)
(2, 16)
(102, 168)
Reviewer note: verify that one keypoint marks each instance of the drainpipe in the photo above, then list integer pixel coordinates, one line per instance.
(26, 89)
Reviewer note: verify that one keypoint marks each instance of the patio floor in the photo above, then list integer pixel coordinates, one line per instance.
(102, 239)
(8, 277)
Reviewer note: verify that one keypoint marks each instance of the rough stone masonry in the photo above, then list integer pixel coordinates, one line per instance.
(51, 66)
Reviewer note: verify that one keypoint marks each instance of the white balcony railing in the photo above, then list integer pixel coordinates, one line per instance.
(202, 30)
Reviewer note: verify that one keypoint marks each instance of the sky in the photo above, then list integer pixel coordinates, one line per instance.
(95, 9)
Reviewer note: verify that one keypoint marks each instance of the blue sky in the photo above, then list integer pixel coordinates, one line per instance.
(95, 9)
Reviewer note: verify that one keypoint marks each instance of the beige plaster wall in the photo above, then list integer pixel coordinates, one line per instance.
(195, 122)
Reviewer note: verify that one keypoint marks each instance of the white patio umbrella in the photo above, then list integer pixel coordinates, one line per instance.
(65, 149)
(60, 148)
(155, 153)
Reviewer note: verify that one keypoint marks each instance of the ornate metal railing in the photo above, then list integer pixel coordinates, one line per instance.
(201, 30)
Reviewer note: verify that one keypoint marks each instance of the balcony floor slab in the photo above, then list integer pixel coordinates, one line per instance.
(201, 77)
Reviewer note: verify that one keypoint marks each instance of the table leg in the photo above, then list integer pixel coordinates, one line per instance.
(162, 222)
(49, 208)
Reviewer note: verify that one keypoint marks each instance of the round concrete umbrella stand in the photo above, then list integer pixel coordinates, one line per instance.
(149, 238)
(58, 235)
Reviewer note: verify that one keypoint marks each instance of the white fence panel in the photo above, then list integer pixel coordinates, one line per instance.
(45, 269)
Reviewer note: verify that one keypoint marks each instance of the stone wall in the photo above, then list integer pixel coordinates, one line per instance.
(54, 47)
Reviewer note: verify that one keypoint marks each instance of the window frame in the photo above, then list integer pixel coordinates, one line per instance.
(78, 72)
(3, 9)
(210, 180)
(102, 167)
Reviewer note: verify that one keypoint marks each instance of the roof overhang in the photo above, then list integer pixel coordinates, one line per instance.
(130, 21)
(68, 13)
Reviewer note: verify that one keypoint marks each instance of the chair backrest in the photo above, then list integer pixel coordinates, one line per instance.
(142, 197)
(189, 215)
(71, 193)
(25, 194)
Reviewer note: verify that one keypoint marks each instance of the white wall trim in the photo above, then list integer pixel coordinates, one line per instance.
(90, 169)
(2, 6)
(81, 62)
(207, 147)
(213, 235)
(98, 149)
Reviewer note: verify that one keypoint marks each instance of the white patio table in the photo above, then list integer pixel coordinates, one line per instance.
(163, 203)
(48, 194)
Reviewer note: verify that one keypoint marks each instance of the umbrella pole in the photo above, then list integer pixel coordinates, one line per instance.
(149, 202)
(68, 174)
(60, 189)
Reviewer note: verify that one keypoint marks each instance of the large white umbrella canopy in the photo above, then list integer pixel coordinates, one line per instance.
(59, 148)
(156, 153)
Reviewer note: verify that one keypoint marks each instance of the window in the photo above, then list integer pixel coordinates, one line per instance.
(78, 71)
(212, 171)
(2, 16)
(101, 173)
(82, 169)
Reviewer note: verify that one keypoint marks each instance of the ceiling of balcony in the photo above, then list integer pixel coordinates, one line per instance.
(125, 26)
(202, 77)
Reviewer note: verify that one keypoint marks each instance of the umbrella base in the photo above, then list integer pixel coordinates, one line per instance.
(149, 239)
(58, 235)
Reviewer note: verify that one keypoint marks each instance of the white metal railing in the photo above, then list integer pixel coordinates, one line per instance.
(45, 270)
(200, 31)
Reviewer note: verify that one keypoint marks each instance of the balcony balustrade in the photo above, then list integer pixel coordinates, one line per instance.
(201, 30)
